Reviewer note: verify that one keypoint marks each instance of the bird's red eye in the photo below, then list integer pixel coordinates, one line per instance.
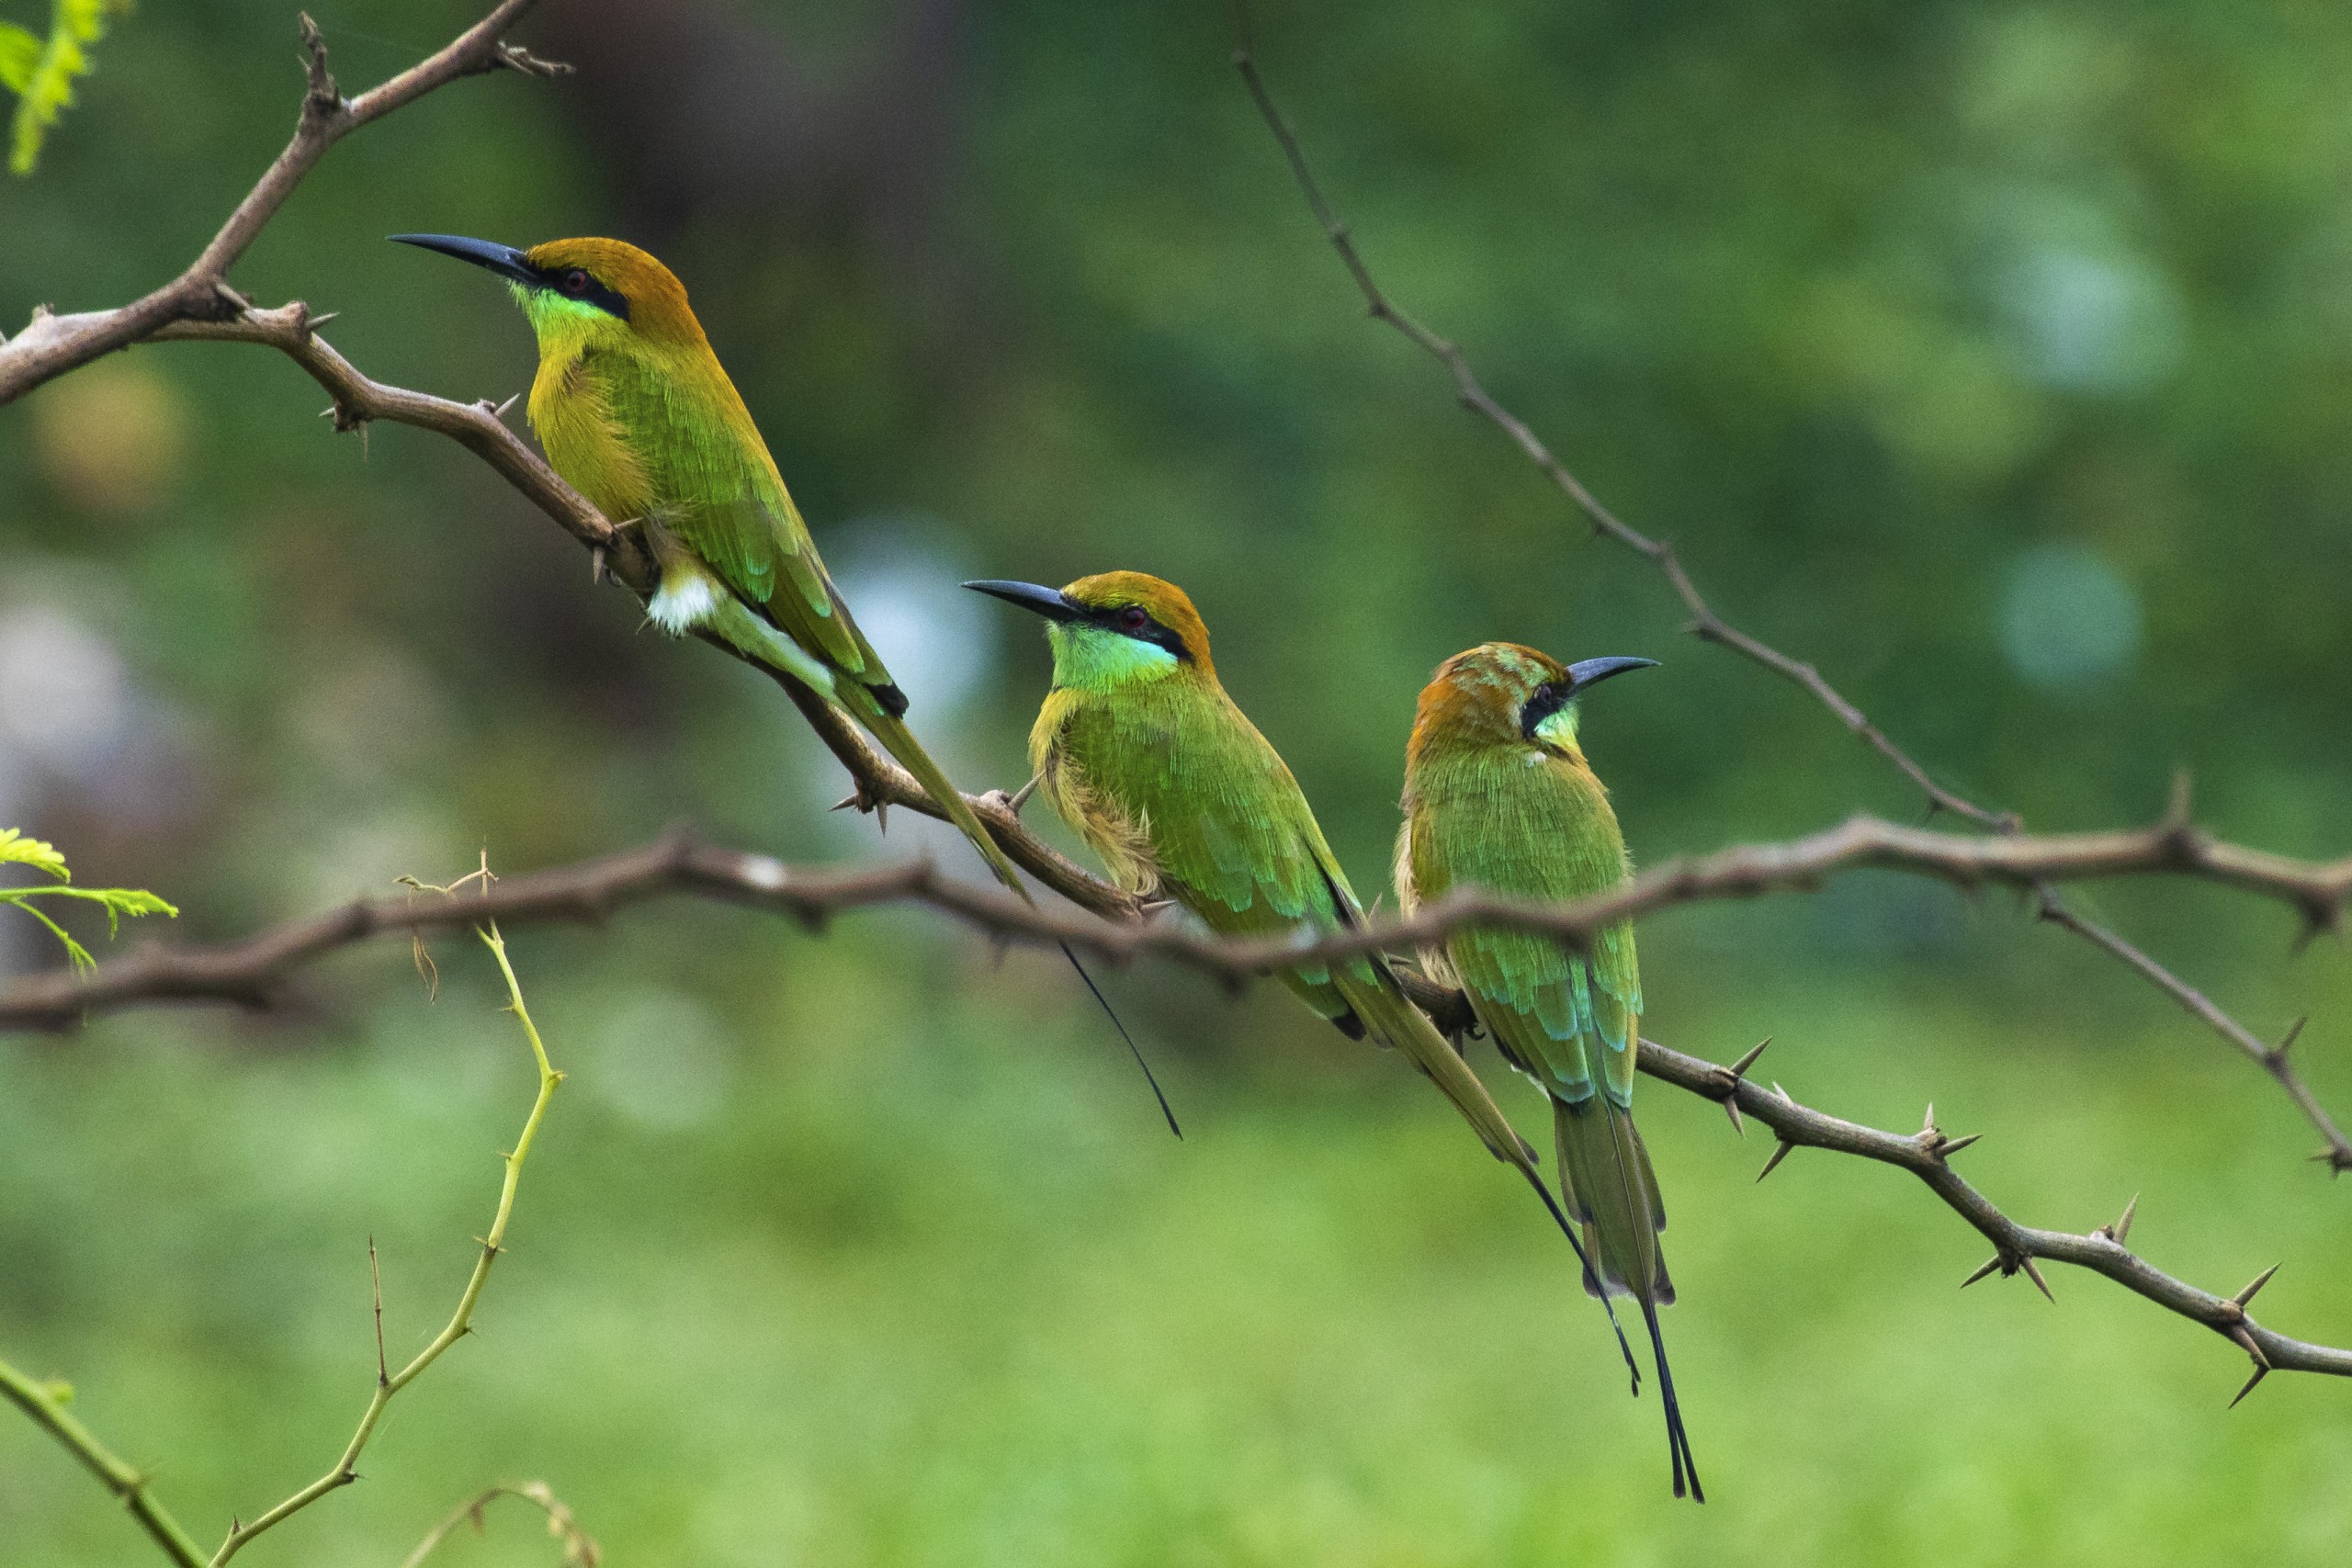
(576, 282)
(1133, 618)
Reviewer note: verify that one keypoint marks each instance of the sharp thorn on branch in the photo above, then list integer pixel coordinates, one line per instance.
(596, 573)
(1739, 1069)
(501, 410)
(2121, 1228)
(1951, 1146)
(313, 323)
(2260, 1372)
(1928, 1127)
(2276, 1057)
(1990, 1264)
(2245, 1342)
(1731, 1109)
(2259, 1281)
(2033, 1272)
(1779, 1152)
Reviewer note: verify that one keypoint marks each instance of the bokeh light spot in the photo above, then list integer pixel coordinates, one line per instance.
(2068, 619)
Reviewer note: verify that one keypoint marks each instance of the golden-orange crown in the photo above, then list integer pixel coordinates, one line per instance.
(657, 300)
(1159, 599)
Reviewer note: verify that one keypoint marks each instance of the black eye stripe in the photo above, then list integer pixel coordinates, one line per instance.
(1121, 619)
(579, 283)
(1549, 699)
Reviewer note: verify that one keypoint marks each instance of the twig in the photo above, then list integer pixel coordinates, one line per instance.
(1926, 1155)
(461, 1321)
(2336, 1153)
(47, 1408)
(53, 345)
(253, 971)
(579, 1548)
(1708, 627)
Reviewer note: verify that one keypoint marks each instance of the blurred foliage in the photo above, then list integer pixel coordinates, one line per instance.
(1997, 358)
(44, 858)
(41, 72)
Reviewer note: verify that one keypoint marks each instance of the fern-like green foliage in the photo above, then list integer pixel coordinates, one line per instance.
(17, 850)
(41, 71)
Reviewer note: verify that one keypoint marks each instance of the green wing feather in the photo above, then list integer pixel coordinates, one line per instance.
(1571, 1019)
(722, 497)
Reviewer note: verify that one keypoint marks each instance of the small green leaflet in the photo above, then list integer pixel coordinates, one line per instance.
(41, 71)
(17, 850)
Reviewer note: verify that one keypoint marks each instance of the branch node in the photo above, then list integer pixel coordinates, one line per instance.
(2276, 1057)
(514, 57)
(323, 96)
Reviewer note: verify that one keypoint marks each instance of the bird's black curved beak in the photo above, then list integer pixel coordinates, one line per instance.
(503, 260)
(1049, 602)
(1592, 672)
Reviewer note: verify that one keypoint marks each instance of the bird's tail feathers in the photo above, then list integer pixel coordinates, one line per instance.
(1607, 1183)
(1678, 1437)
(900, 742)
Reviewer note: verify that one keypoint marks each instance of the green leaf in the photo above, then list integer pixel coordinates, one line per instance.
(46, 89)
(19, 52)
(17, 850)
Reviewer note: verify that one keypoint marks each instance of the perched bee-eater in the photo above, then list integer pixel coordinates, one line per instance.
(1498, 797)
(636, 412)
(1141, 751)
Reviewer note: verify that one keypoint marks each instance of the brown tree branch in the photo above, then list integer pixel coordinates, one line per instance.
(254, 972)
(1926, 1155)
(53, 345)
(1708, 627)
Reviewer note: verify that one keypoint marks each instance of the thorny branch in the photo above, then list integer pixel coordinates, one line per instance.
(46, 1405)
(460, 1321)
(53, 345)
(1926, 1155)
(1708, 627)
(254, 970)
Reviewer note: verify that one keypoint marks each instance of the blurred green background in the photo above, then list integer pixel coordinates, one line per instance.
(1997, 358)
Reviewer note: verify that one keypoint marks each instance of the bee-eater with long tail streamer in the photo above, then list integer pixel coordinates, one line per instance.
(1498, 797)
(636, 413)
(1140, 749)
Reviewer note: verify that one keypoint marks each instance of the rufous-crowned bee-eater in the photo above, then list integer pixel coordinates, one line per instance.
(1140, 749)
(1498, 797)
(636, 413)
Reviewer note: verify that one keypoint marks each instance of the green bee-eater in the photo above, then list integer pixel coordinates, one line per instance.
(636, 413)
(1498, 797)
(1140, 749)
